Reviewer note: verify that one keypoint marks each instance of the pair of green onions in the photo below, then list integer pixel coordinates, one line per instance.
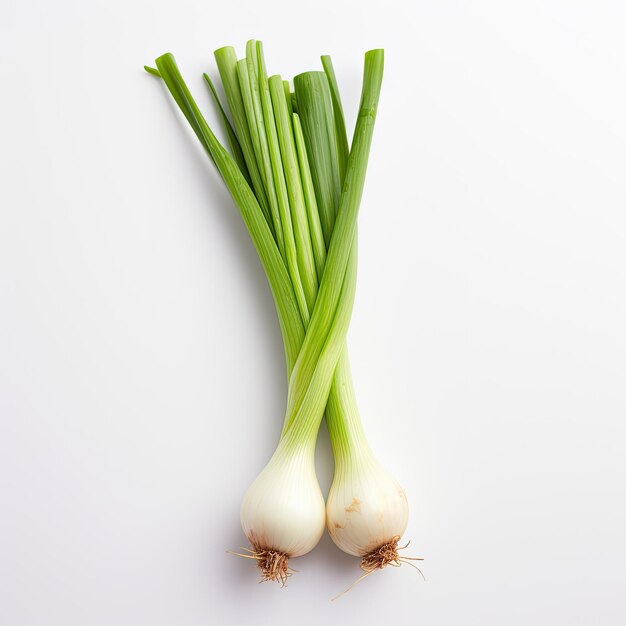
(298, 187)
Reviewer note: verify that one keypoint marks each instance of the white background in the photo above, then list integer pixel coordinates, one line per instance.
(142, 382)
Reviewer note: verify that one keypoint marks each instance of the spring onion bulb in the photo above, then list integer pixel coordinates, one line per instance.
(298, 188)
(283, 511)
(367, 510)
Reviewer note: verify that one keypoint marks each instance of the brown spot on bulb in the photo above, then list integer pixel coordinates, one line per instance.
(355, 506)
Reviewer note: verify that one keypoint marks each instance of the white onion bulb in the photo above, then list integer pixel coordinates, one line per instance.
(283, 511)
(367, 510)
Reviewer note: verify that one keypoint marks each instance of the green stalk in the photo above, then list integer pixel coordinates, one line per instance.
(291, 254)
(315, 111)
(288, 97)
(256, 125)
(302, 425)
(342, 414)
(289, 317)
(343, 235)
(315, 226)
(343, 420)
(226, 60)
(340, 124)
(319, 351)
(299, 219)
(233, 142)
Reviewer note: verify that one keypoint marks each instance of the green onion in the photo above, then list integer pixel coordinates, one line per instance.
(298, 189)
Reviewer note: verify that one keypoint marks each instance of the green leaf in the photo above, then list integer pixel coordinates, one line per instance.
(299, 219)
(233, 142)
(316, 115)
(280, 183)
(319, 338)
(291, 324)
(315, 226)
(340, 125)
(226, 60)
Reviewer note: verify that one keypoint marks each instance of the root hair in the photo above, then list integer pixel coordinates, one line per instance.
(384, 555)
(274, 565)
